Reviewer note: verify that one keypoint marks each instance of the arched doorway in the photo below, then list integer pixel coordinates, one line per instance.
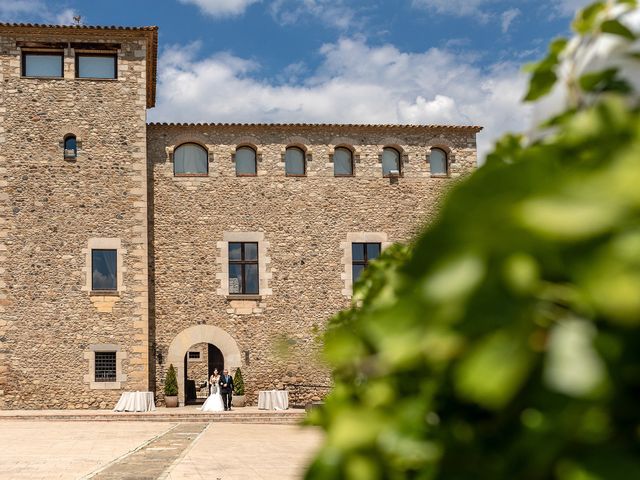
(200, 361)
(197, 335)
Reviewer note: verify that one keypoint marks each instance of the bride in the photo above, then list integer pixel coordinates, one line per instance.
(214, 401)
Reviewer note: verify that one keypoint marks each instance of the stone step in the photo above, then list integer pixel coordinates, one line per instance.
(249, 418)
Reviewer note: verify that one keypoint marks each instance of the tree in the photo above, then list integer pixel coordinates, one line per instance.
(505, 342)
(238, 383)
(171, 382)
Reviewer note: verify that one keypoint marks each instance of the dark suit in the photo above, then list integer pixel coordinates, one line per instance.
(226, 390)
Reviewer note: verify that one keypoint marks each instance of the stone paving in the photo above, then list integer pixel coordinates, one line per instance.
(67, 450)
(151, 460)
(149, 450)
(256, 452)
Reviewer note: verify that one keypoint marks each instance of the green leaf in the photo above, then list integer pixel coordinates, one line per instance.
(494, 370)
(594, 81)
(586, 19)
(541, 83)
(604, 81)
(454, 279)
(614, 27)
(568, 219)
(544, 76)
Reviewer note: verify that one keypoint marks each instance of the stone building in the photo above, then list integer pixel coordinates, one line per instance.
(127, 246)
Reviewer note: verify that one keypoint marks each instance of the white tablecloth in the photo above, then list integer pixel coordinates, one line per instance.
(135, 402)
(273, 400)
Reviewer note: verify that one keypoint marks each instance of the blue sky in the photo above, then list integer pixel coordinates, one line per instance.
(375, 61)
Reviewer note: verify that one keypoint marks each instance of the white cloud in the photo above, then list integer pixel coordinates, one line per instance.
(66, 17)
(482, 9)
(456, 7)
(222, 8)
(33, 10)
(508, 17)
(570, 7)
(385, 85)
(333, 13)
(10, 9)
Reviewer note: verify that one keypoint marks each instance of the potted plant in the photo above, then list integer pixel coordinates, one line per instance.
(238, 399)
(171, 388)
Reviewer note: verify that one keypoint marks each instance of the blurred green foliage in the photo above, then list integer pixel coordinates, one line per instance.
(505, 343)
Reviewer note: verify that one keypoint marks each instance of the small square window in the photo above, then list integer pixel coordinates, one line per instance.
(96, 66)
(104, 272)
(194, 355)
(105, 370)
(42, 64)
(361, 255)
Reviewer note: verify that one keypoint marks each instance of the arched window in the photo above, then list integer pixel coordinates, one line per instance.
(294, 162)
(390, 162)
(438, 162)
(190, 159)
(245, 162)
(342, 162)
(70, 146)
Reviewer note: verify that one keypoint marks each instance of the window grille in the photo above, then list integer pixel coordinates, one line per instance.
(105, 366)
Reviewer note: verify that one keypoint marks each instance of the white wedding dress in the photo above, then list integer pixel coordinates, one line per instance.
(214, 401)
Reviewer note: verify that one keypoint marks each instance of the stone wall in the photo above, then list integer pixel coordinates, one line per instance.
(172, 233)
(303, 224)
(50, 211)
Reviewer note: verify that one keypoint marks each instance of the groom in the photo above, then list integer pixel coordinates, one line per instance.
(226, 389)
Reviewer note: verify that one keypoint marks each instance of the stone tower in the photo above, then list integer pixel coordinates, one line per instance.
(73, 213)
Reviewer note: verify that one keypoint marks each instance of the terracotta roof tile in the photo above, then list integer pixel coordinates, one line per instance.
(75, 27)
(316, 125)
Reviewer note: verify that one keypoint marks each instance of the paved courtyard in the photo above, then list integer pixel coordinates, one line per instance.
(259, 452)
(150, 450)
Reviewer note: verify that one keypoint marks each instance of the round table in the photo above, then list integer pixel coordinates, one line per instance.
(273, 400)
(135, 402)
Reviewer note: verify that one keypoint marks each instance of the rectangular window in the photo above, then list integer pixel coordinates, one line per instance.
(96, 66)
(194, 355)
(105, 366)
(361, 255)
(42, 64)
(243, 268)
(104, 274)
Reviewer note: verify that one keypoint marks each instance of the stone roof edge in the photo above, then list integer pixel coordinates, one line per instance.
(474, 128)
(150, 33)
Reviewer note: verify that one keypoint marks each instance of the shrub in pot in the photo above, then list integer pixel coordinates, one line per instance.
(238, 399)
(171, 388)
